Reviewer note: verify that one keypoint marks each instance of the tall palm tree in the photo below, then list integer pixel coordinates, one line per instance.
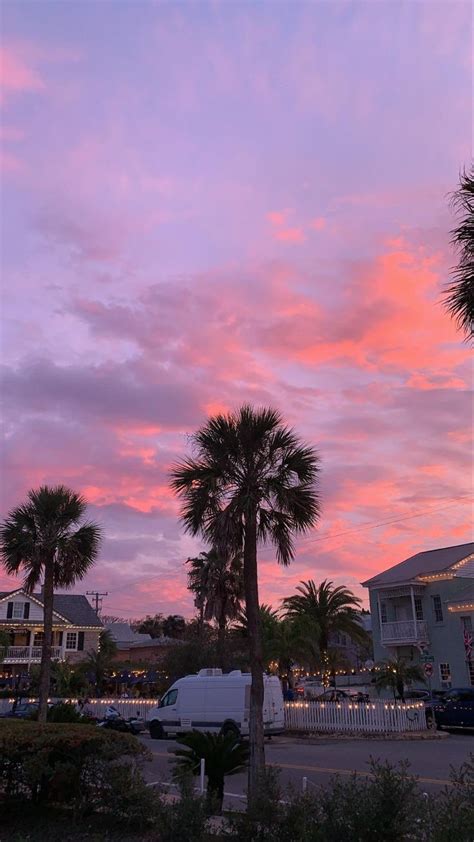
(459, 297)
(40, 540)
(397, 674)
(250, 481)
(326, 609)
(217, 581)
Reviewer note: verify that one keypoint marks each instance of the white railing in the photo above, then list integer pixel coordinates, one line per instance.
(366, 717)
(29, 653)
(404, 631)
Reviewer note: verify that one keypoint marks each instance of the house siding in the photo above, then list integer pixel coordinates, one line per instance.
(91, 643)
(446, 642)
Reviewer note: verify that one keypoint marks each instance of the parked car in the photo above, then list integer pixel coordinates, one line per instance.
(22, 711)
(454, 710)
(334, 695)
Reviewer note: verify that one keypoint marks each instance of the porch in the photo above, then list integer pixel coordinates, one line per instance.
(400, 610)
(29, 654)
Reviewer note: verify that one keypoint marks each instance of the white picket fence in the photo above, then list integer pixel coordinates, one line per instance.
(376, 717)
(97, 707)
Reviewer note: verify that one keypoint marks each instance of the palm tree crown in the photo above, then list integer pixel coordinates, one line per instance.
(325, 609)
(217, 582)
(459, 297)
(397, 674)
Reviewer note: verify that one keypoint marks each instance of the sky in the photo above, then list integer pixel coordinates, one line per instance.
(209, 203)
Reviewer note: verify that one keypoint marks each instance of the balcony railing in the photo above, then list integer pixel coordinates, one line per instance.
(404, 631)
(28, 653)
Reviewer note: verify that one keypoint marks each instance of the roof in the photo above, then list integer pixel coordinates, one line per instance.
(430, 561)
(122, 633)
(73, 607)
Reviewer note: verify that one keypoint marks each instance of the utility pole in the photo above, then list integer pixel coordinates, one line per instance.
(98, 600)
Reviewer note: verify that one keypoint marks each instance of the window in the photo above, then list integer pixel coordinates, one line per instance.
(38, 639)
(418, 608)
(169, 699)
(445, 675)
(71, 640)
(18, 610)
(383, 612)
(438, 609)
(470, 669)
(466, 623)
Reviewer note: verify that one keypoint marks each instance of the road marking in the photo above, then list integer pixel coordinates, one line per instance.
(327, 770)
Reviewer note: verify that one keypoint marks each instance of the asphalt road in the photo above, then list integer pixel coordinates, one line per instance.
(430, 760)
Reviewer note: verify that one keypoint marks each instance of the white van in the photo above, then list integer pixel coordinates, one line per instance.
(213, 701)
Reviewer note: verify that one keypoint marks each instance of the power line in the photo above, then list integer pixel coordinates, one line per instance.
(329, 535)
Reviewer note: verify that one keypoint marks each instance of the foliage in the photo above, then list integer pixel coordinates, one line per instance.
(397, 674)
(4, 644)
(152, 625)
(325, 609)
(40, 539)
(66, 712)
(67, 680)
(107, 644)
(174, 626)
(459, 297)
(70, 764)
(224, 754)
(250, 481)
(216, 579)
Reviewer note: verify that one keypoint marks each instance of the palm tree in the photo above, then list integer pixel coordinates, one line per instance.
(217, 581)
(99, 662)
(39, 539)
(149, 625)
(397, 674)
(459, 297)
(250, 481)
(326, 609)
(67, 680)
(223, 754)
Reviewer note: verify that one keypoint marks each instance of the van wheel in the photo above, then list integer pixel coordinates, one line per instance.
(156, 731)
(230, 728)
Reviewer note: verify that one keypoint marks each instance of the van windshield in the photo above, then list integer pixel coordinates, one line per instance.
(169, 698)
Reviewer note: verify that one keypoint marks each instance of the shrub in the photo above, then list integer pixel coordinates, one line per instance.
(67, 764)
(65, 712)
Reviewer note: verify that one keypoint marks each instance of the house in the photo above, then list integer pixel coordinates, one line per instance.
(135, 647)
(76, 629)
(353, 654)
(424, 608)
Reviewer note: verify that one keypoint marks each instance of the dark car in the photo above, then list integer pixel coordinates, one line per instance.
(23, 711)
(454, 710)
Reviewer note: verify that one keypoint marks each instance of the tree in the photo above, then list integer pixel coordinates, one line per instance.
(98, 663)
(326, 609)
(40, 539)
(149, 625)
(217, 582)
(4, 644)
(174, 626)
(459, 298)
(396, 675)
(67, 680)
(249, 481)
(223, 754)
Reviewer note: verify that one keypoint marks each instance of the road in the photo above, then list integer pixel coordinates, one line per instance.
(430, 760)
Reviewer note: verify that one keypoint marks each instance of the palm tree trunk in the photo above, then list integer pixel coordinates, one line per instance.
(45, 669)
(221, 640)
(257, 748)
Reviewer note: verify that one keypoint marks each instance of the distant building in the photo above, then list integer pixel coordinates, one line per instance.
(425, 606)
(353, 653)
(135, 648)
(76, 629)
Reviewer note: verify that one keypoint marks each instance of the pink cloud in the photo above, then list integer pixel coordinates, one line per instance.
(17, 73)
(290, 235)
(318, 224)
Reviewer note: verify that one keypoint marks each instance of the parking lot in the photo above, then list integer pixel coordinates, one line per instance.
(319, 761)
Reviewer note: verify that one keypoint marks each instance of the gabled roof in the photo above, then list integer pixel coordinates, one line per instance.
(122, 633)
(74, 608)
(430, 561)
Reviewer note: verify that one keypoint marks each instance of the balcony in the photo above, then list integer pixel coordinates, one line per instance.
(28, 654)
(404, 631)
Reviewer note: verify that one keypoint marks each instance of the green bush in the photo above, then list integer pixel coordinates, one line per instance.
(70, 764)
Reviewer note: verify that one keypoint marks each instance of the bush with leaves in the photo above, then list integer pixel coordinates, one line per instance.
(223, 754)
(63, 763)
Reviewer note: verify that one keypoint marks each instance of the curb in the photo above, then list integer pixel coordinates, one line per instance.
(312, 737)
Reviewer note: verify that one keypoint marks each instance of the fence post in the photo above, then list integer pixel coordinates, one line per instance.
(201, 776)
(304, 783)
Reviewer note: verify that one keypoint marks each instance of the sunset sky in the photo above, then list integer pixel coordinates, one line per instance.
(216, 202)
